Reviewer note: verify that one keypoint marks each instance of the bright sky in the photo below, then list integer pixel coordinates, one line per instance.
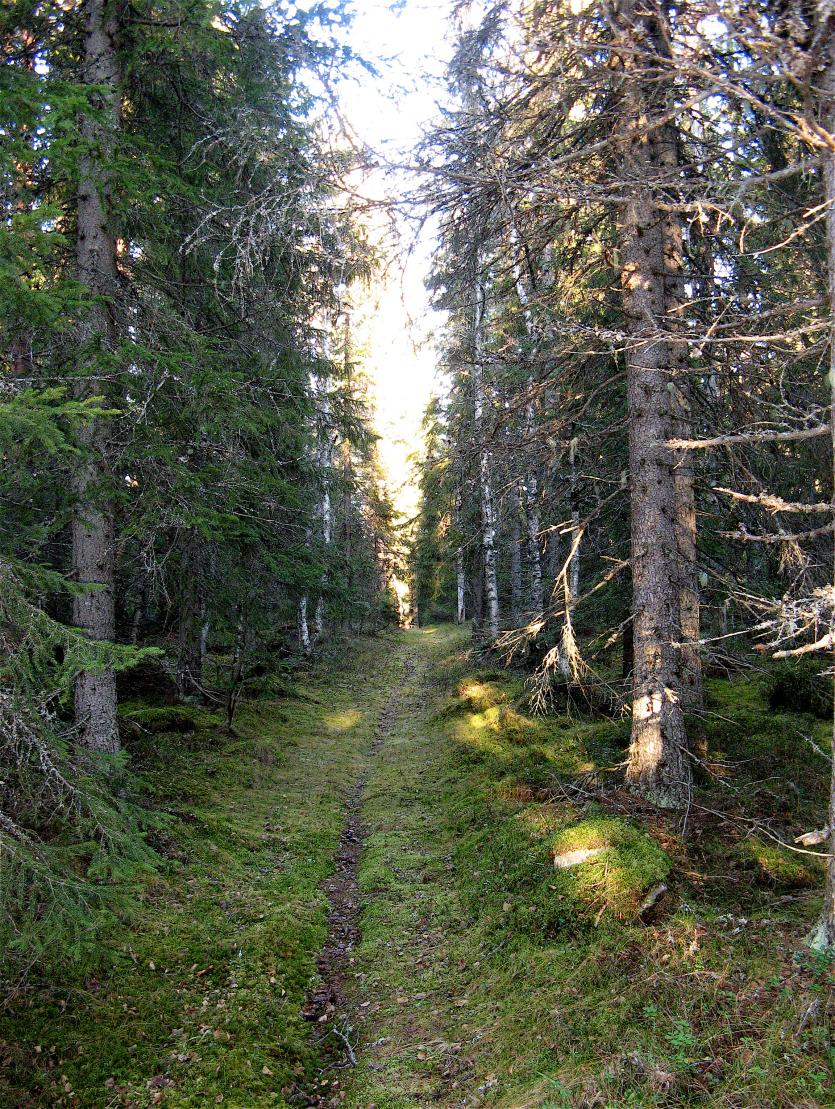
(408, 43)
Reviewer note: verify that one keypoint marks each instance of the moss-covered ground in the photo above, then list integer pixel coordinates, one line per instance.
(197, 1000)
(486, 974)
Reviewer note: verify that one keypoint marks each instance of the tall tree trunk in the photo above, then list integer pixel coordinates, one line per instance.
(191, 640)
(824, 934)
(536, 600)
(93, 555)
(658, 757)
(302, 625)
(515, 556)
(460, 573)
(536, 592)
(574, 564)
(323, 460)
(676, 299)
(460, 583)
(490, 626)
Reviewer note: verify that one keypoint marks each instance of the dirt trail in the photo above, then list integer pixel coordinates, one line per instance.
(326, 1005)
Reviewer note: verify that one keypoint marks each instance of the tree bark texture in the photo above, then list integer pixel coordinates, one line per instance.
(824, 935)
(490, 627)
(192, 639)
(659, 762)
(461, 587)
(515, 556)
(323, 462)
(536, 599)
(93, 555)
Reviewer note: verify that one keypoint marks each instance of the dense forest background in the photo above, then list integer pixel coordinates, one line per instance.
(626, 504)
(188, 462)
(629, 483)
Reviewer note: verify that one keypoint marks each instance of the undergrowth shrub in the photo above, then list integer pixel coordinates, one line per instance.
(799, 686)
(71, 840)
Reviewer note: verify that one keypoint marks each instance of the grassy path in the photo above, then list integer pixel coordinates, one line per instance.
(199, 1000)
(403, 790)
(408, 994)
(486, 978)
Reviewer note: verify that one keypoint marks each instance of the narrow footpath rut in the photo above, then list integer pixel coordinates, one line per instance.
(326, 1006)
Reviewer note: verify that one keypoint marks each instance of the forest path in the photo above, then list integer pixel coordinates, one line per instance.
(327, 1002)
(390, 999)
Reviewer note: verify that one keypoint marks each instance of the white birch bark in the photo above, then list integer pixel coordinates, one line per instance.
(460, 575)
(488, 509)
(302, 625)
(536, 598)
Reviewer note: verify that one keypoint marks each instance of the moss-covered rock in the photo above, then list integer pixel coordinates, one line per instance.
(617, 864)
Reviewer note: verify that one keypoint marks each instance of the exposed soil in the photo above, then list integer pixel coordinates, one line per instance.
(325, 1006)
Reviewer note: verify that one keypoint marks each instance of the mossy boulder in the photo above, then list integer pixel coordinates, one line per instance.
(606, 862)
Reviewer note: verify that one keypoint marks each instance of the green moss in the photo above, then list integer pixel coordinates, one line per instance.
(484, 972)
(178, 719)
(779, 867)
(199, 995)
(627, 863)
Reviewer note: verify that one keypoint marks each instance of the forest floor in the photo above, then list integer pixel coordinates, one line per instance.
(359, 906)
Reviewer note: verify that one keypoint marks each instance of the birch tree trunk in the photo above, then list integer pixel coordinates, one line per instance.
(460, 571)
(302, 626)
(658, 756)
(488, 509)
(93, 555)
(536, 599)
(515, 556)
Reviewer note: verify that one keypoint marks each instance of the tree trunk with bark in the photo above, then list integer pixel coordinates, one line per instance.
(191, 639)
(93, 554)
(659, 763)
(824, 934)
(676, 299)
(461, 587)
(323, 462)
(490, 627)
(515, 556)
(536, 599)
